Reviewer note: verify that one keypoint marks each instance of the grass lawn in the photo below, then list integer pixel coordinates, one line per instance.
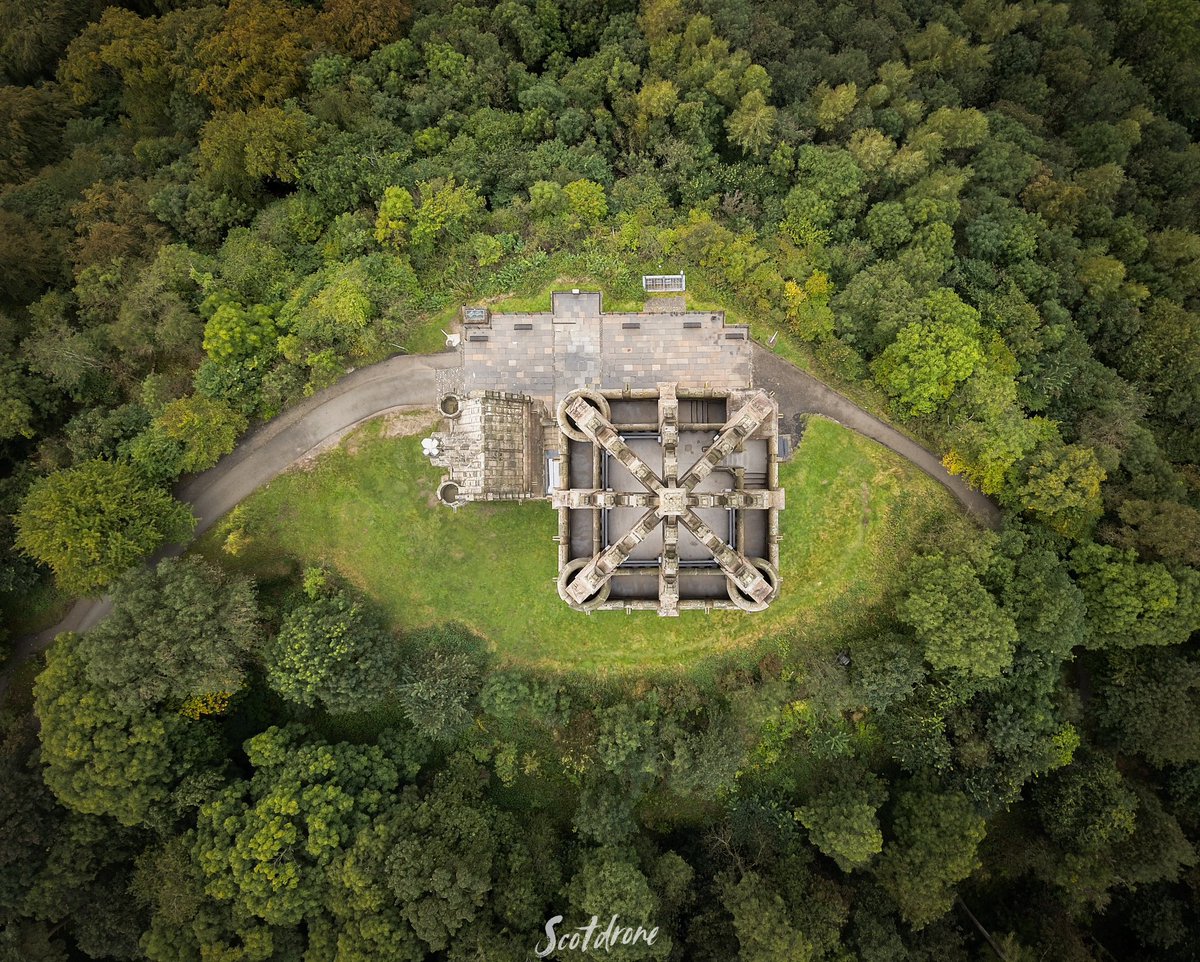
(853, 511)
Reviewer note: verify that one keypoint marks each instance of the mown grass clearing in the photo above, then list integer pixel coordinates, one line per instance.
(854, 511)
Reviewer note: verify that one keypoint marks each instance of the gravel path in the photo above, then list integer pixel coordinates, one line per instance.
(412, 380)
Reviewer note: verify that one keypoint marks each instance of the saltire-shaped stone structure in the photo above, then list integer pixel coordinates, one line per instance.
(667, 499)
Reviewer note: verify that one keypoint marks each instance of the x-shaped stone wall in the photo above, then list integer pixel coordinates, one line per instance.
(670, 500)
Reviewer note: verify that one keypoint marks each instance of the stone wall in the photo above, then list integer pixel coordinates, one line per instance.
(492, 448)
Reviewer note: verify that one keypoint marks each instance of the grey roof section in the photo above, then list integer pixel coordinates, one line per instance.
(576, 345)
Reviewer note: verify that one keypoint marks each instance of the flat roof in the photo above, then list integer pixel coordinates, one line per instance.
(576, 344)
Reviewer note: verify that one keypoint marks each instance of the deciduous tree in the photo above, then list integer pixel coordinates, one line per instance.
(331, 651)
(234, 331)
(586, 204)
(104, 759)
(181, 631)
(94, 521)
(268, 844)
(609, 881)
(32, 120)
(956, 619)
(935, 837)
(1131, 603)
(1062, 487)
(396, 212)
(190, 434)
(921, 368)
(842, 818)
(16, 409)
(763, 923)
(446, 215)
(1146, 701)
(242, 149)
(1163, 530)
(359, 26)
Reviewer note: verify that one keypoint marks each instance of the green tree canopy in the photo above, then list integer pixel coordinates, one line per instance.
(181, 631)
(956, 619)
(752, 125)
(1132, 603)
(445, 850)
(842, 818)
(1062, 487)
(267, 844)
(102, 758)
(928, 359)
(331, 651)
(190, 434)
(586, 202)
(935, 836)
(447, 213)
(438, 686)
(394, 220)
(242, 149)
(764, 926)
(92, 522)
(607, 882)
(1086, 806)
(234, 331)
(1146, 701)
(441, 868)
(256, 57)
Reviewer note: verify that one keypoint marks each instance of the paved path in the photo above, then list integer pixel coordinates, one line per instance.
(269, 451)
(799, 393)
(409, 380)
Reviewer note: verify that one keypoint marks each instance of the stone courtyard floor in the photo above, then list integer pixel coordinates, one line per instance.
(547, 355)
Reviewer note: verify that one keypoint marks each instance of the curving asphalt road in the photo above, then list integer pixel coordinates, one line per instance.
(412, 379)
(799, 393)
(266, 453)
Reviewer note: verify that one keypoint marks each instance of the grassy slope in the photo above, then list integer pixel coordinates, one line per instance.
(367, 508)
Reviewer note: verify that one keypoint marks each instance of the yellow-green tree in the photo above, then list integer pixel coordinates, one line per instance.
(921, 368)
(1062, 487)
(190, 434)
(257, 58)
(239, 150)
(395, 217)
(92, 522)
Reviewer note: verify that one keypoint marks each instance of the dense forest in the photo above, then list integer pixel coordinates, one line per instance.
(984, 218)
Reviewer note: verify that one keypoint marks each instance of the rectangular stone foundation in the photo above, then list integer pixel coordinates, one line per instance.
(493, 447)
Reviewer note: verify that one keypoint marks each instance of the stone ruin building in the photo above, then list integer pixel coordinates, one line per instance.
(642, 430)
(494, 448)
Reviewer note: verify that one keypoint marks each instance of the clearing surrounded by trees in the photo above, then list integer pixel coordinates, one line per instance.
(293, 666)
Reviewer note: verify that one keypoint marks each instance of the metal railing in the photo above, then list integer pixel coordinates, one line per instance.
(660, 283)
